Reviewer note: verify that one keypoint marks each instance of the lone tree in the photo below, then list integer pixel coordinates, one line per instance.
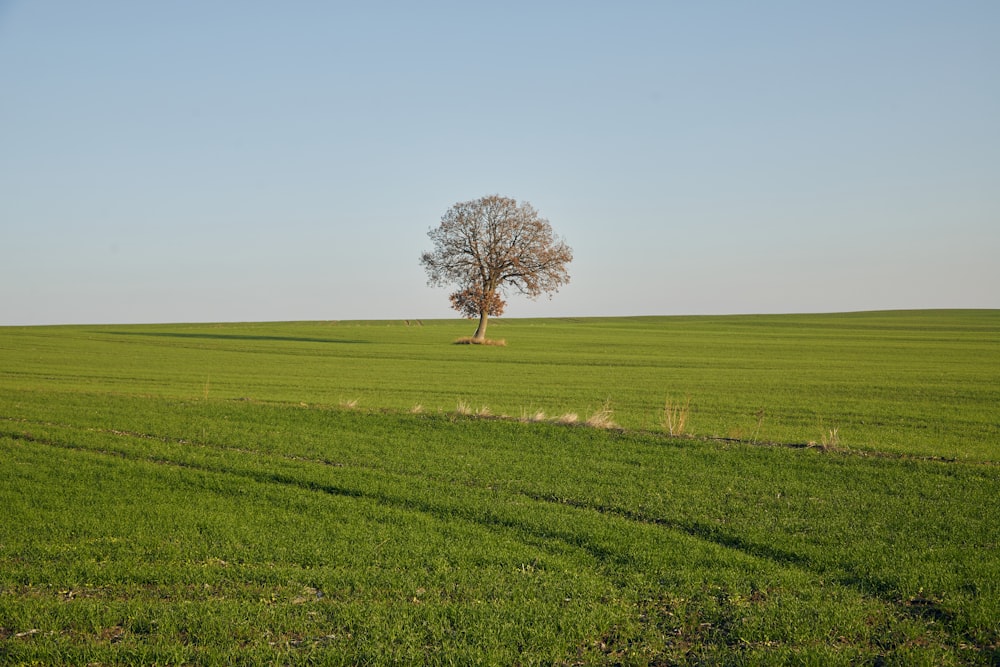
(490, 245)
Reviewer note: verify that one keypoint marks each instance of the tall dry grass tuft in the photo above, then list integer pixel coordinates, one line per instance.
(760, 414)
(830, 439)
(349, 404)
(603, 418)
(463, 408)
(675, 416)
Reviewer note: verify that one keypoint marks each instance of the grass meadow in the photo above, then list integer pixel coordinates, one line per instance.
(369, 493)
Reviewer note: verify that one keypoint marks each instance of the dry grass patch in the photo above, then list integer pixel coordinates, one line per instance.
(532, 416)
(568, 418)
(829, 441)
(603, 418)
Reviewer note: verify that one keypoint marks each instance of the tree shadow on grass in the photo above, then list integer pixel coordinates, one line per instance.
(212, 336)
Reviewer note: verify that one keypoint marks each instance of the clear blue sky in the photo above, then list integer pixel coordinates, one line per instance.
(200, 160)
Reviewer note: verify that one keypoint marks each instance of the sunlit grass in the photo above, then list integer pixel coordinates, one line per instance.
(309, 492)
(568, 542)
(911, 382)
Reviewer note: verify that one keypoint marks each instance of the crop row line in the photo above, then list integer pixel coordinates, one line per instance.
(602, 420)
(568, 420)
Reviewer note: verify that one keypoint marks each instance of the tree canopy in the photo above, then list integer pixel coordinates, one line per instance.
(489, 246)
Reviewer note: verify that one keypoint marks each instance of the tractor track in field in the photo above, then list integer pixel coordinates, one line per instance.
(851, 578)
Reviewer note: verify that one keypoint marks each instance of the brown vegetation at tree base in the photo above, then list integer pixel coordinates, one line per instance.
(481, 341)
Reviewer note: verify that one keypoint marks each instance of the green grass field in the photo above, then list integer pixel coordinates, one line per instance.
(309, 493)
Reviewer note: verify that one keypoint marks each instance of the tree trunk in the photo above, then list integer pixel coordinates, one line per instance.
(480, 334)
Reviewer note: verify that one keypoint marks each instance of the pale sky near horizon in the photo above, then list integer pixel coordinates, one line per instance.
(215, 161)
